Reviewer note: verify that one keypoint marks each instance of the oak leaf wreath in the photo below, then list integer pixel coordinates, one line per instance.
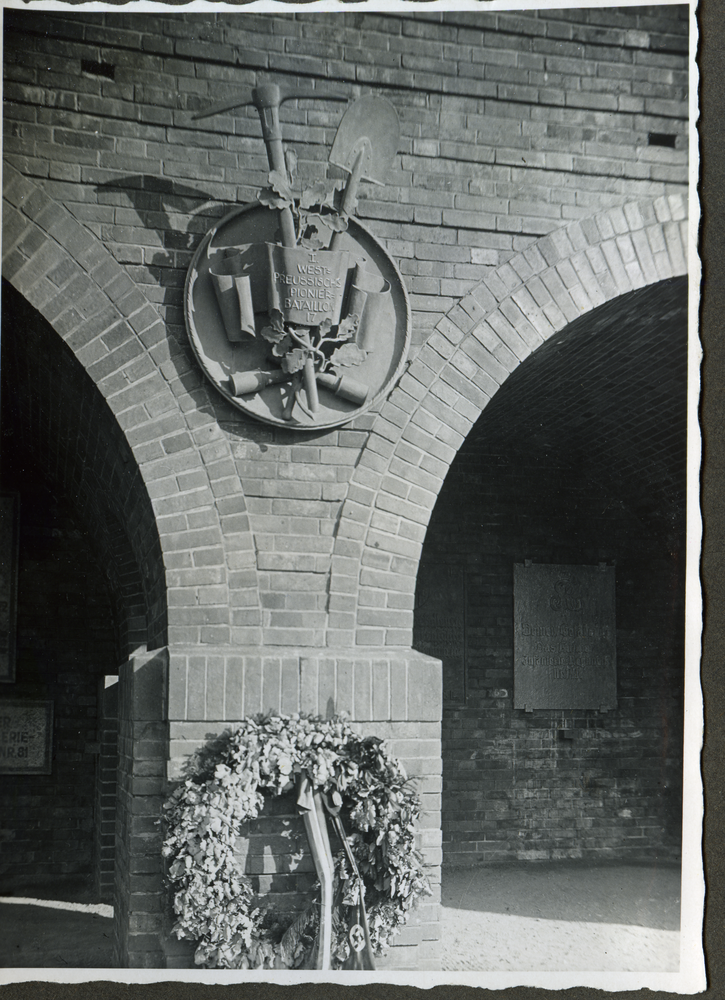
(227, 783)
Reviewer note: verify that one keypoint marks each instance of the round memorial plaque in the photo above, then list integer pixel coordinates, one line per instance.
(297, 337)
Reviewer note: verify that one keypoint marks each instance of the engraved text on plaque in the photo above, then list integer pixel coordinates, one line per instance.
(26, 737)
(564, 637)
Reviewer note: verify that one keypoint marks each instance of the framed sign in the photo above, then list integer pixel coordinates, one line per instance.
(564, 637)
(26, 737)
(8, 584)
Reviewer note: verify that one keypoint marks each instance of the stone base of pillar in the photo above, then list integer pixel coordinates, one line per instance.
(175, 700)
(143, 741)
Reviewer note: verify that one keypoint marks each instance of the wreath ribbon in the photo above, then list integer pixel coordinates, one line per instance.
(309, 804)
(361, 951)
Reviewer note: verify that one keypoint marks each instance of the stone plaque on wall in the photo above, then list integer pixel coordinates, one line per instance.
(564, 637)
(440, 620)
(8, 584)
(26, 737)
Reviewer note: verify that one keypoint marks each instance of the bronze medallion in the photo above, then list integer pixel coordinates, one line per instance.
(297, 314)
(301, 337)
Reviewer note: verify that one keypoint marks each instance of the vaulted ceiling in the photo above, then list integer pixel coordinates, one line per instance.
(603, 403)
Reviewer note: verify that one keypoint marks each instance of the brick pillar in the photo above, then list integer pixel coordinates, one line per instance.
(107, 767)
(393, 693)
(143, 745)
(174, 700)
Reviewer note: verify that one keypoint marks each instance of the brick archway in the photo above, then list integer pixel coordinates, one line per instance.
(185, 463)
(475, 348)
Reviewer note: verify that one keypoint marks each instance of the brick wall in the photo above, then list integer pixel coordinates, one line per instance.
(498, 110)
(505, 113)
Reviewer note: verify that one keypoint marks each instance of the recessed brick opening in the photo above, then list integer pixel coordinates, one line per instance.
(579, 459)
(662, 139)
(107, 70)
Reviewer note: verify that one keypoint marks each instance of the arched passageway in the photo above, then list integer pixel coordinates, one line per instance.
(579, 459)
(57, 425)
(88, 568)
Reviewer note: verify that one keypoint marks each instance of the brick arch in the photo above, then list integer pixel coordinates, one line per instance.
(474, 349)
(119, 340)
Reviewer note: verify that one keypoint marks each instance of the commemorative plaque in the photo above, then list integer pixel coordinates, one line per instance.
(564, 637)
(296, 313)
(440, 627)
(8, 584)
(26, 737)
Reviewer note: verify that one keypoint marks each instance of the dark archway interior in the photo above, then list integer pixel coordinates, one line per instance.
(59, 435)
(52, 838)
(579, 459)
(82, 604)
